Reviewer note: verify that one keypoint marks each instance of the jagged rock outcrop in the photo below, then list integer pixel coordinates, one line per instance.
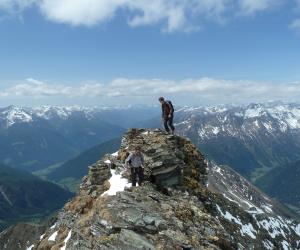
(172, 210)
(170, 160)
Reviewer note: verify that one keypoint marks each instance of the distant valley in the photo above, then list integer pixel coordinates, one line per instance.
(24, 197)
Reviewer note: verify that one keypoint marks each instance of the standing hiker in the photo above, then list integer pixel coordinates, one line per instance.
(136, 160)
(167, 114)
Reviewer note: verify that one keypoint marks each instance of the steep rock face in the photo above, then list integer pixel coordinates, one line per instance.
(172, 210)
(272, 219)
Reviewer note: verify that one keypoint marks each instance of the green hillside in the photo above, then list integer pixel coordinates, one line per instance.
(24, 196)
(283, 183)
(69, 174)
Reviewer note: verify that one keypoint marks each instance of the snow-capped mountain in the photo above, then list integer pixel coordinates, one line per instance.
(250, 138)
(35, 138)
(269, 116)
(38, 137)
(15, 115)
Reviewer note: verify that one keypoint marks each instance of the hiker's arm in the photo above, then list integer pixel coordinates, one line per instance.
(128, 159)
(162, 111)
(142, 158)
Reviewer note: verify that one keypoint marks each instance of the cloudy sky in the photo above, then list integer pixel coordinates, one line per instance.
(118, 52)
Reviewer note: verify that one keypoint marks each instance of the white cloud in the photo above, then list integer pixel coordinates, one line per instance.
(189, 91)
(295, 25)
(78, 12)
(15, 5)
(250, 7)
(35, 89)
(176, 14)
(173, 15)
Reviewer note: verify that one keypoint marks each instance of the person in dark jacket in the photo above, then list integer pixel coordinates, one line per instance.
(136, 162)
(167, 114)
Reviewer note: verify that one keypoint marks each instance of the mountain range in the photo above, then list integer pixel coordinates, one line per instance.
(186, 202)
(36, 138)
(259, 141)
(256, 140)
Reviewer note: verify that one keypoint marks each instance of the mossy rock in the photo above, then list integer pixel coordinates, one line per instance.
(104, 239)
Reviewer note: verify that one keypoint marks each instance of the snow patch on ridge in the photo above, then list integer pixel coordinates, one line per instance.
(66, 240)
(115, 153)
(216, 130)
(117, 183)
(285, 245)
(30, 248)
(245, 229)
(53, 236)
(297, 229)
(268, 245)
(273, 226)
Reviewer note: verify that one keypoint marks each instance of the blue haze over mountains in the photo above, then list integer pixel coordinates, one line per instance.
(260, 141)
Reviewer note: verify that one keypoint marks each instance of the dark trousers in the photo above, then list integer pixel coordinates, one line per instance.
(168, 122)
(137, 173)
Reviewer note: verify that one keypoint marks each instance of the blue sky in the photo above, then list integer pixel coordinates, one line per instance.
(124, 51)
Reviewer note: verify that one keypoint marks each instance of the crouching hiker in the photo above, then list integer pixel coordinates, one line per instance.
(136, 160)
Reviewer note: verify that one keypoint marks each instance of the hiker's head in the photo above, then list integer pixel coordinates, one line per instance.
(137, 149)
(161, 99)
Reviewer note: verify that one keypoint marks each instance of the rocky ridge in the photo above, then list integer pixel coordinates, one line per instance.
(172, 210)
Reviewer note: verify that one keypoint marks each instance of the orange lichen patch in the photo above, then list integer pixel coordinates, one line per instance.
(191, 183)
(122, 155)
(62, 234)
(85, 220)
(102, 210)
(106, 185)
(58, 246)
(80, 204)
(184, 213)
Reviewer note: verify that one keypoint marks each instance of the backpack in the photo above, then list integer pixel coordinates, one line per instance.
(170, 103)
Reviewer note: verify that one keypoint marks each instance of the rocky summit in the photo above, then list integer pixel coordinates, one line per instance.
(173, 209)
